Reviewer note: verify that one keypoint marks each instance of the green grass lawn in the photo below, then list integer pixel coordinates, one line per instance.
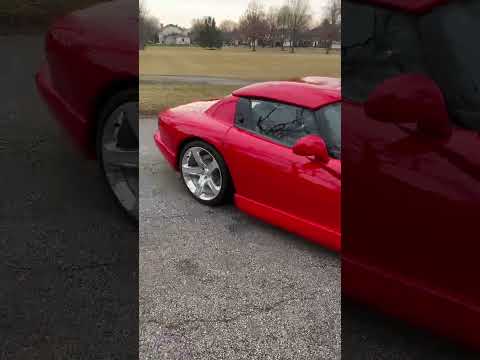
(239, 63)
(155, 98)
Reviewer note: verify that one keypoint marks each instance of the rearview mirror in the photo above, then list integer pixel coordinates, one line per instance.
(312, 145)
(410, 98)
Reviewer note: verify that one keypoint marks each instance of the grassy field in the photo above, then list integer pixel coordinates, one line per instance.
(239, 63)
(155, 98)
(236, 63)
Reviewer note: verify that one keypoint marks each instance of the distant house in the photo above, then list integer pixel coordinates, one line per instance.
(174, 35)
(298, 43)
(324, 35)
(336, 45)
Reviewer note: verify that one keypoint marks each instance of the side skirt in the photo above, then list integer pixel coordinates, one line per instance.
(314, 232)
(411, 302)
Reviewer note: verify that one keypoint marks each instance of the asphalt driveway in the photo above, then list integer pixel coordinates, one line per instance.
(68, 264)
(218, 284)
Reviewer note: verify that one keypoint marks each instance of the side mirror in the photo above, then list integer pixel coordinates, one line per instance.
(410, 98)
(312, 145)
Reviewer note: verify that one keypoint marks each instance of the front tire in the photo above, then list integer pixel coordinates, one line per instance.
(117, 149)
(205, 174)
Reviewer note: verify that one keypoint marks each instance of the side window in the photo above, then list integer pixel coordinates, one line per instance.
(377, 44)
(448, 33)
(280, 122)
(330, 128)
(243, 114)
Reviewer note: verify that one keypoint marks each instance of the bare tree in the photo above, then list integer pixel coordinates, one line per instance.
(196, 29)
(229, 31)
(271, 19)
(334, 11)
(299, 19)
(149, 26)
(332, 23)
(283, 21)
(253, 24)
(142, 16)
(228, 26)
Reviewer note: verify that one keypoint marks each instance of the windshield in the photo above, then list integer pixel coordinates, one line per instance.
(330, 125)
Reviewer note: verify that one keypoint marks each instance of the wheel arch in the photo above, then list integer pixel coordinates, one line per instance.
(184, 143)
(105, 94)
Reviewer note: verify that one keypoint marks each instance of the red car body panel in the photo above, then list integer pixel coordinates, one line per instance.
(415, 6)
(305, 95)
(91, 54)
(425, 271)
(414, 254)
(270, 181)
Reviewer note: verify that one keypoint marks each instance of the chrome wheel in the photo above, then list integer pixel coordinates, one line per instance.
(201, 173)
(120, 155)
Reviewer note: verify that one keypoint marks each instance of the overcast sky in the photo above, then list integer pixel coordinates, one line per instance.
(182, 12)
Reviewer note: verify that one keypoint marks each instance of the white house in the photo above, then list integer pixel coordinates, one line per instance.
(173, 35)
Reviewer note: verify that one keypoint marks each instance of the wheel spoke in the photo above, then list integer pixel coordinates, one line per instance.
(198, 158)
(131, 115)
(215, 189)
(199, 190)
(189, 170)
(112, 155)
(212, 166)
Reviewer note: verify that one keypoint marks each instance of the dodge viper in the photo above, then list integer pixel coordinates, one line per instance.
(90, 83)
(273, 147)
(411, 184)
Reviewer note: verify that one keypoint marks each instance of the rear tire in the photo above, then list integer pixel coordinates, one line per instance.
(205, 173)
(117, 149)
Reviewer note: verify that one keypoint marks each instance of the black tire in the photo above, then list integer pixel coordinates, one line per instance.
(129, 141)
(226, 189)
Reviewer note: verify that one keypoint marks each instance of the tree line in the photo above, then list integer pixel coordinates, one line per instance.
(148, 26)
(272, 27)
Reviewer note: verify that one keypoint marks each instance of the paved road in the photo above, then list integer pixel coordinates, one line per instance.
(210, 80)
(370, 335)
(218, 284)
(68, 256)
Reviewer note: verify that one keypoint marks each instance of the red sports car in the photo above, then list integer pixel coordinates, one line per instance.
(90, 82)
(411, 185)
(274, 147)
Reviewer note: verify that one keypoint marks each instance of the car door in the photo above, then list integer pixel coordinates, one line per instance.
(265, 169)
(410, 244)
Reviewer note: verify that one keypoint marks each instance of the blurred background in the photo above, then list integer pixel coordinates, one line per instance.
(69, 253)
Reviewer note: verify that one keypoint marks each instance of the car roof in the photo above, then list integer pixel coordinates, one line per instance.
(414, 6)
(296, 93)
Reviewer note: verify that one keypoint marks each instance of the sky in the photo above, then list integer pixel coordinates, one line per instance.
(182, 12)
